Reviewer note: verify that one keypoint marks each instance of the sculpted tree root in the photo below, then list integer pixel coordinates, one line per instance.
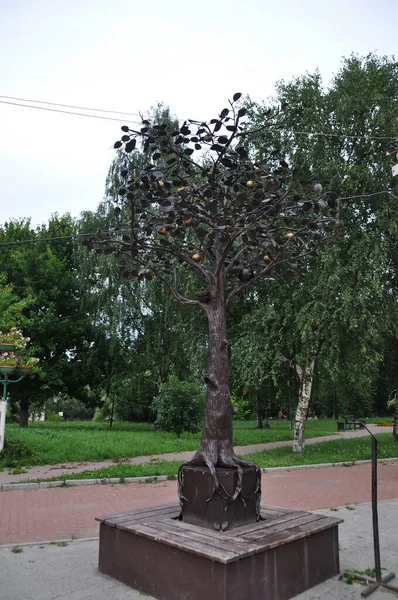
(225, 459)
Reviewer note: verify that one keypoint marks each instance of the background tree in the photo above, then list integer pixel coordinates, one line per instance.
(141, 335)
(40, 264)
(343, 134)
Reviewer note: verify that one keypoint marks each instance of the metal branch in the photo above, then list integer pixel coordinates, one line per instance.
(268, 268)
(177, 294)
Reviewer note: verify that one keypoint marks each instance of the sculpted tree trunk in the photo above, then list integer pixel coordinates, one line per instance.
(216, 443)
(216, 449)
(306, 377)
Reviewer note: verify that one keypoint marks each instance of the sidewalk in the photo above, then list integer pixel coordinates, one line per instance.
(47, 514)
(46, 471)
(50, 572)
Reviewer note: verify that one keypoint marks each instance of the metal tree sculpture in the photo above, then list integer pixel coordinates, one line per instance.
(201, 203)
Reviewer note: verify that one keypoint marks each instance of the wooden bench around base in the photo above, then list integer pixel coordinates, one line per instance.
(278, 557)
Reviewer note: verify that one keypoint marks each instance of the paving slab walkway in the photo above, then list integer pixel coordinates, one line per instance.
(68, 512)
(60, 470)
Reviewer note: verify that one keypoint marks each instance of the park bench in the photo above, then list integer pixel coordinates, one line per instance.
(351, 422)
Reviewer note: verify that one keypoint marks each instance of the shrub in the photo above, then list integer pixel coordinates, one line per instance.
(244, 411)
(98, 415)
(11, 417)
(179, 406)
(54, 417)
(72, 408)
(14, 453)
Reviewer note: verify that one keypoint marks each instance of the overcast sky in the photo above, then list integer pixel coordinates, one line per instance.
(127, 55)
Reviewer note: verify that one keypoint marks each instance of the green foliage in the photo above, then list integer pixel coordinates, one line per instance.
(245, 410)
(179, 406)
(14, 453)
(13, 307)
(350, 575)
(343, 310)
(45, 275)
(54, 417)
(99, 416)
(11, 417)
(71, 408)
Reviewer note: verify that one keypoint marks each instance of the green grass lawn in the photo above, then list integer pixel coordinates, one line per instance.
(54, 443)
(348, 450)
(343, 450)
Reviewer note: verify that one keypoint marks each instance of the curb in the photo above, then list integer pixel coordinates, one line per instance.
(351, 463)
(156, 478)
(77, 482)
(50, 542)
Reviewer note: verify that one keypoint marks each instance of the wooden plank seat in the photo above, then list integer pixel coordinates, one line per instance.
(277, 527)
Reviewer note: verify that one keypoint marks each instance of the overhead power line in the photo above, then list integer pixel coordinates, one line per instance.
(345, 135)
(67, 112)
(307, 133)
(45, 239)
(119, 112)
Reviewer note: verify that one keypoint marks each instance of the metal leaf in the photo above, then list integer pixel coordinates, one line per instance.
(130, 146)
